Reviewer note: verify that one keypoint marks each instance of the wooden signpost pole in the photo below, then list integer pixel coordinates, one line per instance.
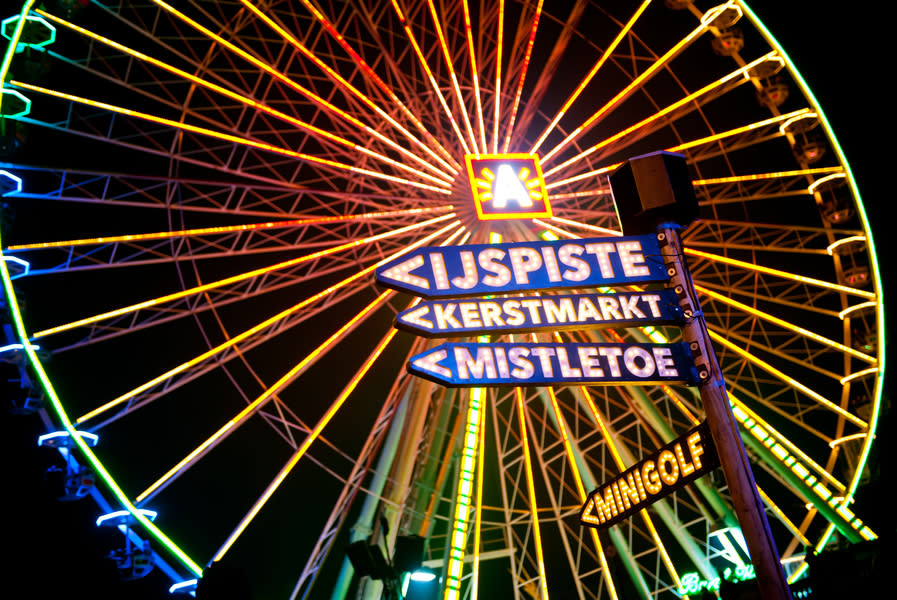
(724, 430)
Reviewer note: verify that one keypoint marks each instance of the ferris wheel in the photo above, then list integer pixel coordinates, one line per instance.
(202, 193)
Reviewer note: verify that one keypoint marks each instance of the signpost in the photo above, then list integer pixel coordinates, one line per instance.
(654, 197)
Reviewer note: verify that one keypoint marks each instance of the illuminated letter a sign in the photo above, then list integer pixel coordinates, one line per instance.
(507, 186)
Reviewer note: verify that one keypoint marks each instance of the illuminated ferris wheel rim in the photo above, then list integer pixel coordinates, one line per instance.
(124, 500)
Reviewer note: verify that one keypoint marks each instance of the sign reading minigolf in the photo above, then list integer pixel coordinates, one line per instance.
(487, 269)
(673, 466)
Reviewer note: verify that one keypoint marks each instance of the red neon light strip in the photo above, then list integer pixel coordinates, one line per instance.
(328, 26)
(524, 69)
(588, 78)
(455, 85)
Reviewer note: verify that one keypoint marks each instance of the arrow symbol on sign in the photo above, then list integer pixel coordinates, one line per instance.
(588, 513)
(429, 363)
(401, 273)
(414, 317)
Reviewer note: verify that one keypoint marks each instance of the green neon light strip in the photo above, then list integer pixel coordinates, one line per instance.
(876, 276)
(50, 392)
(462, 501)
(866, 228)
(811, 481)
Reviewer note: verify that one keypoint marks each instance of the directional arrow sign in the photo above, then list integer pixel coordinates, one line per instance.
(448, 318)
(528, 364)
(676, 464)
(480, 270)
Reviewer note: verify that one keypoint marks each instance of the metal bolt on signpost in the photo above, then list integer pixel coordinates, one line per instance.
(654, 193)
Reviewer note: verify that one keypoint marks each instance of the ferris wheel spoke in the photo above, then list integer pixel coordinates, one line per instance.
(139, 249)
(446, 55)
(785, 325)
(241, 277)
(444, 157)
(424, 64)
(475, 76)
(355, 92)
(313, 97)
(522, 68)
(248, 195)
(748, 135)
(242, 141)
(627, 91)
(657, 120)
(209, 361)
(787, 379)
(308, 441)
(767, 237)
(744, 136)
(226, 350)
(611, 48)
(778, 273)
(286, 379)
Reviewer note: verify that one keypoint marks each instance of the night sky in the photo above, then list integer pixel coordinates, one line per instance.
(56, 552)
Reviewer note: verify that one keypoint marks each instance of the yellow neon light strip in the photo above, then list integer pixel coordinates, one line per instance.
(743, 129)
(647, 73)
(355, 92)
(789, 446)
(720, 339)
(162, 235)
(778, 273)
(537, 533)
(580, 487)
(468, 29)
(253, 330)
(433, 84)
(256, 404)
(816, 486)
(257, 105)
(858, 374)
(523, 70)
(761, 176)
(783, 518)
(662, 113)
(366, 68)
(588, 78)
(811, 189)
(498, 53)
(705, 140)
(309, 439)
(621, 466)
(786, 325)
(273, 72)
(228, 137)
(462, 106)
(234, 278)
